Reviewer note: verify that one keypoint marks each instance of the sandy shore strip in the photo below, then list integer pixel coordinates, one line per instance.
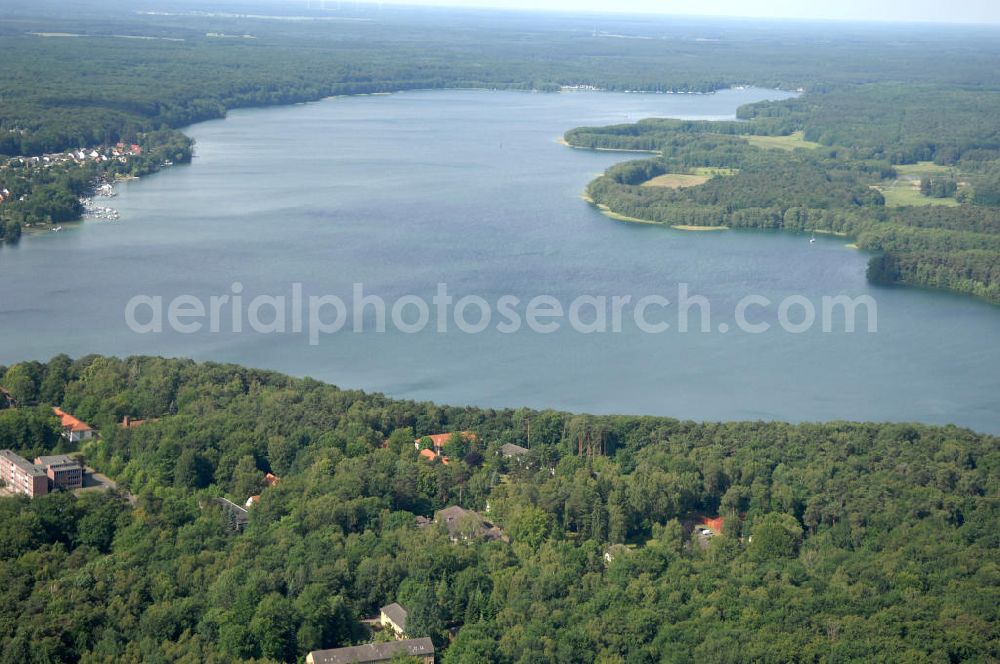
(607, 212)
(562, 141)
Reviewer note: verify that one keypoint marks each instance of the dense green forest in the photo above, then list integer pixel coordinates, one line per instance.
(841, 542)
(827, 171)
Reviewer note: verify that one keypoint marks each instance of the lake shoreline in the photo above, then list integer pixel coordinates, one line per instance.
(327, 207)
(562, 141)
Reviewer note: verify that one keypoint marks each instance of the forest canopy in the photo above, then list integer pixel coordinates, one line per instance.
(839, 541)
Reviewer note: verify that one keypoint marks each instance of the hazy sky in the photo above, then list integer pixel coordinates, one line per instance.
(950, 11)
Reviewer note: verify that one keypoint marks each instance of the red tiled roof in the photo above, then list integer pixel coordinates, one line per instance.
(714, 524)
(431, 455)
(439, 439)
(70, 422)
(271, 479)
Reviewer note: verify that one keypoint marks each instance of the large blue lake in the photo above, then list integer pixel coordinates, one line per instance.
(472, 189)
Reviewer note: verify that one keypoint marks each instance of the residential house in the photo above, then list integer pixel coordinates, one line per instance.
(236, 517)
(74, 430)
(22, 476)
(463, 524)
(393, 616)
(715, 524)
(6, 399)
(707, 529)
(63, 471)
(271, 480)
(509, 450)
(431, 455)
(438, 440)
(371, 653)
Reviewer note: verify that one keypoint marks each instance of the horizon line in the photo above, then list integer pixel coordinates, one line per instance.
(610, 12)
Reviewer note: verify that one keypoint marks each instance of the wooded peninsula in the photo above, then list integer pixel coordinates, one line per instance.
(911, 172)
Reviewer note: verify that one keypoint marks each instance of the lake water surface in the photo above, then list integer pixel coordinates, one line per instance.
(472, 189)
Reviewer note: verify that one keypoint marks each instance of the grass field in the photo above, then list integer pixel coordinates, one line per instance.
(790, 142)
(902, 194)
(922, 168)
(676, 181)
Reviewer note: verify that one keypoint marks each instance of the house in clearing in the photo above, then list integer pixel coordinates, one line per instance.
(372, 653)
(438, 440)
(707, 529)
(74, 430)
(463, 524)
(393, 616)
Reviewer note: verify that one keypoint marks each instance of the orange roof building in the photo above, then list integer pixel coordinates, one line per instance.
(74, 430)
(714, 524)
(431, 455)
(271, 480)
(438, 440)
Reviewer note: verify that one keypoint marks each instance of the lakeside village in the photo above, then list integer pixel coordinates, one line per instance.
(101, 186)
(40, 192)
(391, 635)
